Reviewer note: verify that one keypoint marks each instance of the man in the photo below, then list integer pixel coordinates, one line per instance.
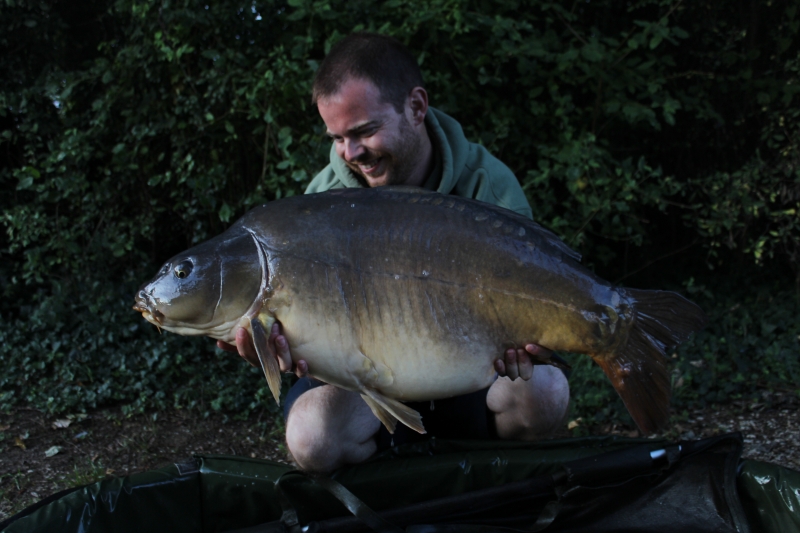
(369, 93)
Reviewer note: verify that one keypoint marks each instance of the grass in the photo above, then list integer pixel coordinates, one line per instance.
(86, 474)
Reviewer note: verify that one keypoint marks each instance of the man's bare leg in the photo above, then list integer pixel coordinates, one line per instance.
(329, 427)
(531, 409)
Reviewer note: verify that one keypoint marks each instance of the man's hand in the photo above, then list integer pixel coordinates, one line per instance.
(518, 362)
(277, 345)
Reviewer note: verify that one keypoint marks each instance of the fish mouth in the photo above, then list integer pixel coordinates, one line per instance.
(148, 310)
(156, 317)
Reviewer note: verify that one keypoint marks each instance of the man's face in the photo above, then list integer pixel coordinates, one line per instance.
(376, 142)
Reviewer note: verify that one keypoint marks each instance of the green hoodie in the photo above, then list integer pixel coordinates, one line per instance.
(462, 168)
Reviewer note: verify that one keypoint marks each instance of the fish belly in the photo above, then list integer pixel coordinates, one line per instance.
(408, 337)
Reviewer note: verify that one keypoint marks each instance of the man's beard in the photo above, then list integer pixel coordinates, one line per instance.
(402, 162)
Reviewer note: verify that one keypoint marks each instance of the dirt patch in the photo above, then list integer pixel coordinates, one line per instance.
(41, 455)
(769, 430)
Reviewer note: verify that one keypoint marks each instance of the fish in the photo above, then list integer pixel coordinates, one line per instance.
(403, 294)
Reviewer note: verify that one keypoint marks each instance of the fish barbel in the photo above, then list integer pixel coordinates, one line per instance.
(407, 295)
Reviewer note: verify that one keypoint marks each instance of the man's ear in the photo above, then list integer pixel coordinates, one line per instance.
(417, 105)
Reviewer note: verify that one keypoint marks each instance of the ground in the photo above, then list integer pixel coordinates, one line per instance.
(41, 454)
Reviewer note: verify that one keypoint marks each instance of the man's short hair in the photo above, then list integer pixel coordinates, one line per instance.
(377, 58)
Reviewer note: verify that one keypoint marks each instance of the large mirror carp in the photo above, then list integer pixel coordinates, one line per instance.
(407, 295)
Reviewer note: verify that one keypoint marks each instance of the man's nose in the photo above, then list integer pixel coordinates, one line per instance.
(352, 149)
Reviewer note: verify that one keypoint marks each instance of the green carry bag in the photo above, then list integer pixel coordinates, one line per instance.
(589, 484)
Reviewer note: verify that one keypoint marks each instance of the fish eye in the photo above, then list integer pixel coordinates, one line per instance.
(183, 269)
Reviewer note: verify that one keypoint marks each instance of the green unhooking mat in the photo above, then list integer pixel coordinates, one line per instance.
(600, 484)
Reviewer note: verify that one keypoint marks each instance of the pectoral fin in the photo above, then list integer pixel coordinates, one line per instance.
(389, 411)
(268, 362)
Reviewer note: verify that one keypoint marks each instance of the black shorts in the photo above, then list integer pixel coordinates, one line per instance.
(460, 417)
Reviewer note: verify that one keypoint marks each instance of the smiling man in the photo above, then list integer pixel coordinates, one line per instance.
(369, 92)
(370, 95)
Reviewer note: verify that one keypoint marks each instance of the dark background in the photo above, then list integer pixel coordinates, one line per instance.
(659, 139)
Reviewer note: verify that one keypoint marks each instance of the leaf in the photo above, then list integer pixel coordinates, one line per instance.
(593, 51)
(655, 41)
(679, 33)
(53, 450)
(25, 183)
(767, 328)
(225, 212)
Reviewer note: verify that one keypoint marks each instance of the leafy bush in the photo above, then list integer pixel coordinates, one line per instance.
(659, 139)
(66, 357)
(751, 343)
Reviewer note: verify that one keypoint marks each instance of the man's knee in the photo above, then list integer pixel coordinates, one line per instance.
(531, 409)
(309, 443)
(328, 428)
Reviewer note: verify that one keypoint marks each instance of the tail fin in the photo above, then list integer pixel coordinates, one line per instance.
(638, 368)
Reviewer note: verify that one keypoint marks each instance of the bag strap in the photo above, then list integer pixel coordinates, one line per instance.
(289, 520)
(359, 509)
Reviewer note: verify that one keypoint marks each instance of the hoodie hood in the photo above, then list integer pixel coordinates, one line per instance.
(461, 168)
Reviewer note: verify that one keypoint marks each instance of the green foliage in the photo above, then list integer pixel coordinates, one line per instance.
(87, 474)
(751, 343)
(756, 207)
(131, 130)
(64, 357)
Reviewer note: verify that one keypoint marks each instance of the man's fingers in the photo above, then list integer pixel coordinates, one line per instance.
(519, 362)
(285, 358)
(274, 331)
(277, 345)
(539, 354)
(512, 367)
(283, 353)
(301, 369)
(226, 347)
(524, 364)
(245, 347)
